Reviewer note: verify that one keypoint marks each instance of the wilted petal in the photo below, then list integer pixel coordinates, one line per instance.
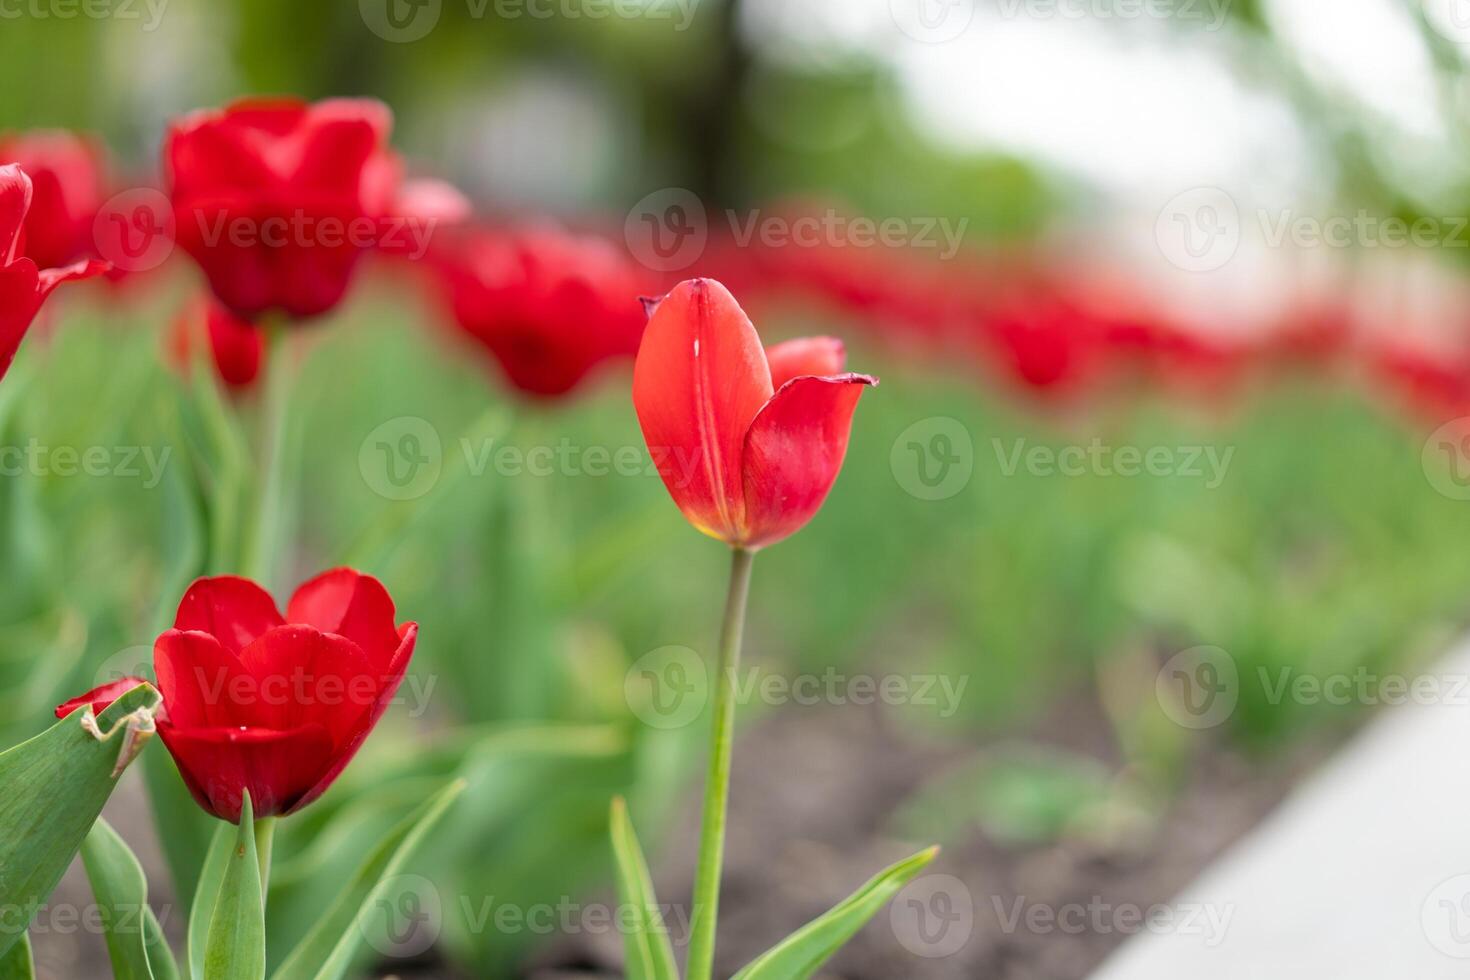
(99, 698)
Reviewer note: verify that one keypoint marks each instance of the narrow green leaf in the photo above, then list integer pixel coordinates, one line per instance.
(55, 785)
(327, 950)
(17, 964)
(206, 892)
(235, 948)
(803, 952)
(160, 958)
(646, 948)
(121, 891)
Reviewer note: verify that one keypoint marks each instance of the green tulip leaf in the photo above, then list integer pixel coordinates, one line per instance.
(235, 946)
(803, 952)
(160, 957)
(646, 948)
(55, 786)
(121, 891)
(327, 951)
(206, 890)
(17, 964)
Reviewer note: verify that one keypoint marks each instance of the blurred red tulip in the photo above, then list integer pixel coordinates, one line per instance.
(277, 200)
(747, 462)
(67, 180)
(549, 306)
(277, 706)
(24, 287)
(236, 346)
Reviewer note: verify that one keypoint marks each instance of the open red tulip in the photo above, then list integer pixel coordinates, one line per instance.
(277, 200)
(275, 705)
(67, 179)
(549, 306)
(236, 346)
(748, 441)
(23, 286)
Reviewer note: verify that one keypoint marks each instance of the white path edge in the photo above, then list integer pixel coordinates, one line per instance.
(1362, 874)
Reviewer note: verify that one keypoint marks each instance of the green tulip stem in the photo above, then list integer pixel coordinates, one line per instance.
(265, 834)
(717, 782)
(262, 561)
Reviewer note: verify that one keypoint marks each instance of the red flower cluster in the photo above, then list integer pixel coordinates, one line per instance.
(549, 306)
(278, 200)
(23, 285)
(767, 429)
(275, 705)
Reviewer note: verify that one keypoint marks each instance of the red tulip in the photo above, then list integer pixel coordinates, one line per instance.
(66, 172)
(277, 200)
(23, 286)
(235, 345)
(746, 461)
(549, 306)
(277, 706)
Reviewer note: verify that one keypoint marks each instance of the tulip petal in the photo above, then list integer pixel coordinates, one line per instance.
(815, 356)
(277, 767)
(700, 378)
(20, 300)
(300, 673)
(397, 667)
(200, 680)
(15, 201)
(49, 279)
(233, 610)
(99, 697)
(793, 453)
(350, 604)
